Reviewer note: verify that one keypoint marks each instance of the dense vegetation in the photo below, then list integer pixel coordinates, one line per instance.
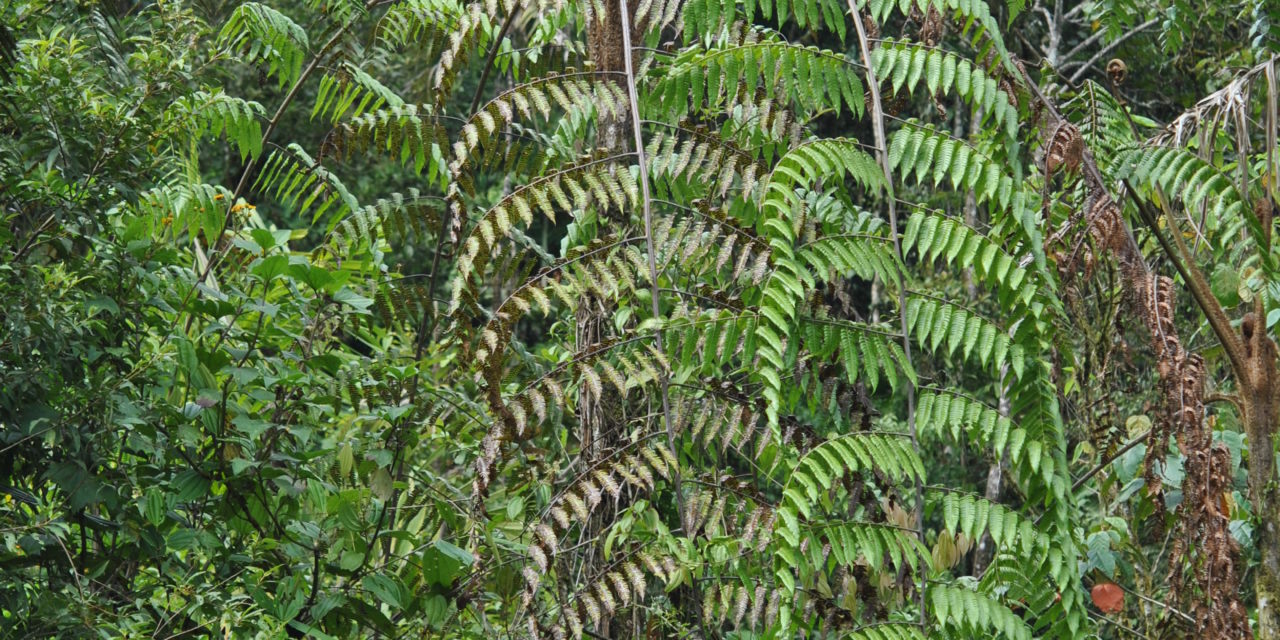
(873, 319)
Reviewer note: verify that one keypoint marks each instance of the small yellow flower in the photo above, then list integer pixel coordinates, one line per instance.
(238, 207)
(166, 221)
(218, 196)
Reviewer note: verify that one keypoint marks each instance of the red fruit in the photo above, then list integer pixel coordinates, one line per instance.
(1108, 597)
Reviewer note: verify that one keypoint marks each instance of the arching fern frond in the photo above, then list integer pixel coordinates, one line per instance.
(1182, 174)
(405, 131)
(975, 613)
(601, 181)
(979, 26)
(905, 64)
(935, 324)
(570, 92)
(351, 89)
(931, 155)
(291, 176)
(402, 216)
(938, 237)
(708, 17)
(262, 34)
(221, 114)
(810, 78)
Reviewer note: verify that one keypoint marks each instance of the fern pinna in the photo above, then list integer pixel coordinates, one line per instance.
(771, 356)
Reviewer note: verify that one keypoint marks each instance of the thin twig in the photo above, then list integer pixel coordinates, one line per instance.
(877, 114)
(647, 206)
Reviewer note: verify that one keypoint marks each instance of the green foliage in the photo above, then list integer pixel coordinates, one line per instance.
(443, 332)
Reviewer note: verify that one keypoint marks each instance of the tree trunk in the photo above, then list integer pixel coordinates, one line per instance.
(1260, 409)
(1260, 421)
(600, 418)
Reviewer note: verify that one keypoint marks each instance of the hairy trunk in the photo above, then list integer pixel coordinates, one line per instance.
(600, 418)
(1260, 409)
(1260, 420)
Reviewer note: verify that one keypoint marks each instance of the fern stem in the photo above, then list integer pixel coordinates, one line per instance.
(647, 208)
(493, 54)
(882, 154)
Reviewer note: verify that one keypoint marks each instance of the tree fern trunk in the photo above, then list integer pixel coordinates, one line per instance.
(600, 418)
(1260, 404)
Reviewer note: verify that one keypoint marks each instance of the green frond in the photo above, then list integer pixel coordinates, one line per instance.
(865, 351)
(780, 222)
(238, 119)
(714, 80)
(887, 631)
(978, 25)
(262, 34)
(975, 613)
(854, 543)
(407, 132)
(828, 462)
(424, 24)
(1102, 121)
(948, 329)
(706, 18)
(804, 167)
(339, 11)
(937, 237)
(299, 182)
(905, 64)
(1179, 173)
(867, 256)
(974, 516)
(944, 411)
(931, 155)
(351, 89)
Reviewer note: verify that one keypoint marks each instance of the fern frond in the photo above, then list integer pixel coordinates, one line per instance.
(470, 34)
(978, 25)
(296, 180)
(704, 18)
(401, 216)
(587, 91)
(782, 216)
(935, 324)
(974, 517)
(931, 155)
(813, 79)
(221, 114)
(975, 613)
(864, 350)
(262, 34)
(905, 64)
(423, 23)
(693, 163)
(1181, 174)
(937, 237)
(405, 131)
(830, 461)
(602, 181)
(351, 89)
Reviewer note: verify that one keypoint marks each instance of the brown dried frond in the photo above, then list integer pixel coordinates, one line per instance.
(1065, 148)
